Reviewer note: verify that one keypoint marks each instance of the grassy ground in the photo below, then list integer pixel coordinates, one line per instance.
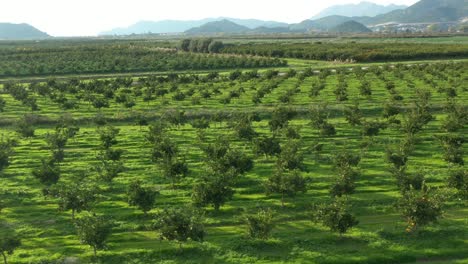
(48, 235)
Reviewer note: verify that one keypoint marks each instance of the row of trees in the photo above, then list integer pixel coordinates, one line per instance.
(361, 52)
(100, 93)
(124, 58)
(201, 45)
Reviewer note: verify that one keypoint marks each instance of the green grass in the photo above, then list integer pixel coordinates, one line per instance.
(48, 235)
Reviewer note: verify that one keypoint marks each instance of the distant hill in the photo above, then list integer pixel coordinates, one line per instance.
(255, 23)
(224, 26)
(350, 27)
(20, 31)
(425, 11)
(179, 26)
(322, 24)
(361, 9)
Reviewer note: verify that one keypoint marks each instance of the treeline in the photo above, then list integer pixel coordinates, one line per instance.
(201, 45)
(106, 58)
(361, 52)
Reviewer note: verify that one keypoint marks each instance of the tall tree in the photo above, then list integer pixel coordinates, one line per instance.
(180, 224)
(94, 231)
(142, 197)
(76, 196)
(9, 242)
(286, 183)
(335, 215)
(421, 207)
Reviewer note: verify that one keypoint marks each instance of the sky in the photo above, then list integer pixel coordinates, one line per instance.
(89, 17)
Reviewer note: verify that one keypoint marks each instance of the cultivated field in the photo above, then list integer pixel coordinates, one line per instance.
(233, 132)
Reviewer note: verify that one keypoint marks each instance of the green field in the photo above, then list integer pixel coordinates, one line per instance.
(48, 235)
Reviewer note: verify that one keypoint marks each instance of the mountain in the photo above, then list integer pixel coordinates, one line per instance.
(322, 24)
(163, 26)
(20, 31)
(350, 27)
(426, 11)
(223, 26)
(178, 26)
(255, 23)
(361, 9)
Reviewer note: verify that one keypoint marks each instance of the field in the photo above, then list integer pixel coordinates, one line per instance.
(198, 110)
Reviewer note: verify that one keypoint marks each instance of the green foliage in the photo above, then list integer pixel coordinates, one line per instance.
(48, 173)
(346, 158)
(361, 52)
(142, 197)
(76, 196)
(222, 158)
(9, 242)
(260, 224)
(180, 224)
(215, 188)
(286, 183)
(344, 183)
(353, 115)
(25, 127)
(280, 117)
(372, 128)
(109, 169)
(346, 176)
(318, 118)
(108, 136)
(94, 231)
(243, 127)
(396, 157)
(174, 169)
(335, 215)
(457, 117)
(2, 104)
(458, 179)
(57, 142)
(123, 56)
(453, 148)
(291, 158)
(201, 123)
(421, 207)
(268, 146)
(48, 235)
(390, 109)
(6, 150)
(365, 88)
(215, 47)
(165, 149)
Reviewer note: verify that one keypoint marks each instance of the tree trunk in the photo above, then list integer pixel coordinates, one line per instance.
(95, 252)
(4, 258)
(73, 214)
(216, 207)
(282, 199)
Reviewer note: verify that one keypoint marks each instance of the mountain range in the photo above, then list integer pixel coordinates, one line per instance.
(178, 26)
(218, 27)
(361, 9)
(365, 13)
(425, 11)
(342, 18)
(20, 31)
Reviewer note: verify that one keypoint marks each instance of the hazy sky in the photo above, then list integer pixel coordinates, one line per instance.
(89, 17)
